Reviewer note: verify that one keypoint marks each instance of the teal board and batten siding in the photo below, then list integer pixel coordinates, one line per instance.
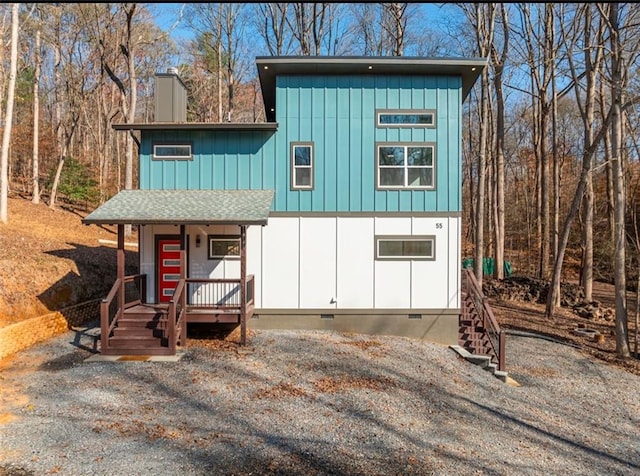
(222, 160)
(337, 113)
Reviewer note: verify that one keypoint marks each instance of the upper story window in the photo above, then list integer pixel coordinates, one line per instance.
(408, 165)
(302, 165)
(172, 151)
(405, 118)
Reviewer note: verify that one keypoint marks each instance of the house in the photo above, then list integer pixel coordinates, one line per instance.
(342, 211)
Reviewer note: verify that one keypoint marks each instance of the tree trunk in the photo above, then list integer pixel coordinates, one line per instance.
(622, 341)
(8, 118)
(36, 121)
(499, 227)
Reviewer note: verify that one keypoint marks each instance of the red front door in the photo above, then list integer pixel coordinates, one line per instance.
(168, 266)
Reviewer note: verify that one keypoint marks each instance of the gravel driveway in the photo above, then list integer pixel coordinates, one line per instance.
(317, 403)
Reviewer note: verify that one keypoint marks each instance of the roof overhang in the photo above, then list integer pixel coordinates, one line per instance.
(198, 126)
(271, 66)
(184, 207)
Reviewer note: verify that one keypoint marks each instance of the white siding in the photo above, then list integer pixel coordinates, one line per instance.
(304, 262)
(280, 263)
(393, 284)
(454, 265)
(317, 263)
(429, 283)
(254, 260)
(355, 263)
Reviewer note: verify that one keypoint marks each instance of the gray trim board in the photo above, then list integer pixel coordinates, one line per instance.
(366, 214)
(198, 126)
(357, 311)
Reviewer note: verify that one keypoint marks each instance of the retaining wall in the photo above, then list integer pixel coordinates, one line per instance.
(19, 336)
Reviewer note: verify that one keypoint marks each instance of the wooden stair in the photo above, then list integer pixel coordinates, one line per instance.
(141, 331)
(474, 341)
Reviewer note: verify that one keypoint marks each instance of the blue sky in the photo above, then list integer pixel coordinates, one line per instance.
(167, 14)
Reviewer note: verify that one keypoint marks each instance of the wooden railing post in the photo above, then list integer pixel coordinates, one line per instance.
(104, 325)
(120, 268)
(243, 285)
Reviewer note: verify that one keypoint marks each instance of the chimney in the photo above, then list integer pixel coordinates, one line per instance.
(170, 97)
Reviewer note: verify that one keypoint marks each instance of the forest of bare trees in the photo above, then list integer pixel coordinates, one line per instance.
(551, 178)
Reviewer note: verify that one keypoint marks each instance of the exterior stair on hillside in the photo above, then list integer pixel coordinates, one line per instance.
(480, 338)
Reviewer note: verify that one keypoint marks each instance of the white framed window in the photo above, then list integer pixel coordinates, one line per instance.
(223, 246)
(408, 165)
(172, 152)
(403, 247)
(425, 118)
(302, 165)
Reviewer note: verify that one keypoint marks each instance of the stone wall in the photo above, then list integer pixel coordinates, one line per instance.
(21, 335)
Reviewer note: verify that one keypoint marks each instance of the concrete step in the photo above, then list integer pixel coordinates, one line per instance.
(484, 361)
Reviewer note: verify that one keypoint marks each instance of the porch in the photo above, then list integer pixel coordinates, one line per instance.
(137, 327)
(129, 324)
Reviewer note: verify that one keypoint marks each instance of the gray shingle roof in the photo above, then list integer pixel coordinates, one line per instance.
(248, 207)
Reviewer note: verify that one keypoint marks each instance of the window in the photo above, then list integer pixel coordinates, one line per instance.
(405, 247)
(405, 166)
(405, 118)
(172, 151)
(302, 165)
(224, 246)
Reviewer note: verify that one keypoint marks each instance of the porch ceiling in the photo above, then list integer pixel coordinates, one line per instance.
(196, 207)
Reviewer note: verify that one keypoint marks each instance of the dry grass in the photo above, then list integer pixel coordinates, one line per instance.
(51, 260)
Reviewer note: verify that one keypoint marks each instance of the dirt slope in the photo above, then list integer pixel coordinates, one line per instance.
(49, 260)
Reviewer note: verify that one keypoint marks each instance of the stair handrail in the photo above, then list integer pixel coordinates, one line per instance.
(142, 287)
(177, 298)
(489, 320)
(106, 324)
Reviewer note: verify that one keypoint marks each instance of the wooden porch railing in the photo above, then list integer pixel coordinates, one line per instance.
(480, 310)
(222, 294)
(125, 293)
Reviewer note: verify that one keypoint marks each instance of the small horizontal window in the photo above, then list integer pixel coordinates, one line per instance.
(224, 247)
(172, 151)
(405, 247)
(405, 118)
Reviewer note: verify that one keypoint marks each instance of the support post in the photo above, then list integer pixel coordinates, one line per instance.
(243, 284)
(120, 268)
(183, 276)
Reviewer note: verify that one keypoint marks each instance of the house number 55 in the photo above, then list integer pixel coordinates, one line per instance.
(438, 226)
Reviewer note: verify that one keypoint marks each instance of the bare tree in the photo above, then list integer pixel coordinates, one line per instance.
(8, 117)
(307, 24)
(498, 62)
(618, 75)
(394, 24)
(272, 19)
(482, 18)
(592, 46)
(36, 116)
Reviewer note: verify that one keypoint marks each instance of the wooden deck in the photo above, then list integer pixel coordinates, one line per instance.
(199, 314)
